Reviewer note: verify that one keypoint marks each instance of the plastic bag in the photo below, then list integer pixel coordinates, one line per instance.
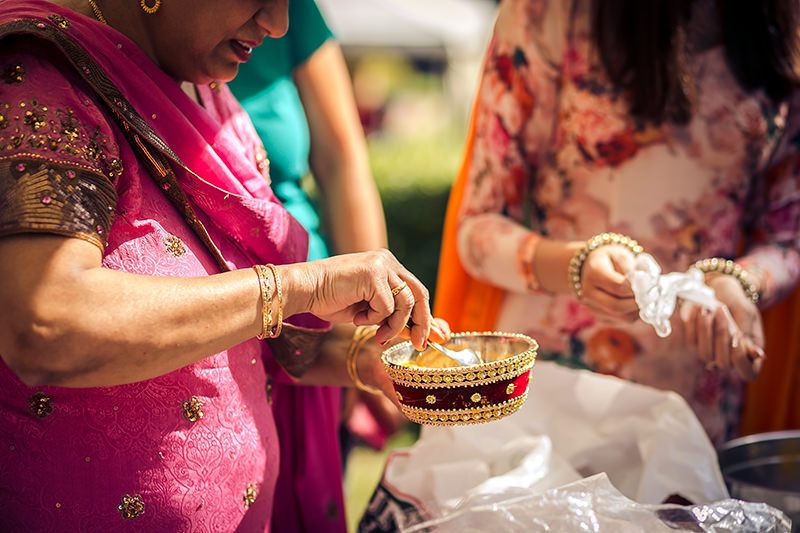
(648, 442)
(594, 505)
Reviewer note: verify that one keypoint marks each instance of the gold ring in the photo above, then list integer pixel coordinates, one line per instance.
(397, 290)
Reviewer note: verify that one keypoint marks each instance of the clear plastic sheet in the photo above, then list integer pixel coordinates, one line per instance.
(648, 442)
(594, 505)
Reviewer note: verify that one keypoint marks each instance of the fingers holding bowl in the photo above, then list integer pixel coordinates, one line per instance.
(403, 302)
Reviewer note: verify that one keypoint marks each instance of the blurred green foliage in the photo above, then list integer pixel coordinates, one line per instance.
(414, 178)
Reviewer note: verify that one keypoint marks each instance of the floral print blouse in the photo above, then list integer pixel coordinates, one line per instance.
(557, 154)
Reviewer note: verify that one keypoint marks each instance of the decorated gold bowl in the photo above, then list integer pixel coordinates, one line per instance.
(436, 390)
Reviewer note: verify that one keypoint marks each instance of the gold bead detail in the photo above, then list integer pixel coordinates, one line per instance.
(399, 397)
(510, 388)
(250, 495)
(40, 405)
(431, 399)
(14, 74)
(175, 246)
(193, 409)
(59, 21)
(131, 507)
(475, 397)
(150, 10)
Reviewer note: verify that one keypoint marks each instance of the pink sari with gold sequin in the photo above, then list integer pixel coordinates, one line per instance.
(193, 450)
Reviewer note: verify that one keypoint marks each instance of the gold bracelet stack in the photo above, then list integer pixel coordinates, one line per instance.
(730, 268)
(269, 330)
(279, 322)
(603, 239)
(361, 335)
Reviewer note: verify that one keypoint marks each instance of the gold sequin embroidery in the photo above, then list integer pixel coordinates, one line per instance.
(114, 168)
(38, 196)
(59, 21)
(475, 397)
(510, 388)
(36, 120)
(174, 246)
(42, 128)
(262, 161)
(14, 74)
(40, 405)
(193, 409)
(131, 506)
(250, 495)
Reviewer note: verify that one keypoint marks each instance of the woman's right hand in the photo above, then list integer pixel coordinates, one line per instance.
(606, 289)
(358, 288)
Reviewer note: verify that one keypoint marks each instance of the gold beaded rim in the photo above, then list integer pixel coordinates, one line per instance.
(474, 375)
(463, 417)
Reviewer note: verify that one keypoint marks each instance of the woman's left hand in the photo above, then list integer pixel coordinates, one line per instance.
(730, 336)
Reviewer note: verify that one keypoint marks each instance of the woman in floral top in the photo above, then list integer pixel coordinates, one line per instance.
(581, 127)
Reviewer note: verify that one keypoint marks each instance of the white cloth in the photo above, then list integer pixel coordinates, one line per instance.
(574, 424)
(657, 294)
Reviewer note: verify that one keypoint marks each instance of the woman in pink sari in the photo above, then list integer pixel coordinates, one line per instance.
(134, 204)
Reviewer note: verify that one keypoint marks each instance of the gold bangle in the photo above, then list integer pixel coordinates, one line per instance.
(276, 330)
(730, 268)
(266, 302)
(525, 255)
(575, 269)
(360, 336)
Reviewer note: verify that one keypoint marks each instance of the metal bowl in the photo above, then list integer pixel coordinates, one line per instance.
(765, 468)
(460, 395)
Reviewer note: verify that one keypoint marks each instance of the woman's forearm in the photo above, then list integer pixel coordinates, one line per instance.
(493, 248)
(775, 270)
(551, 264)
(78, 324)
(330, 367)
(354, 211)
(94, 326)
(71, 322)
(338, 157)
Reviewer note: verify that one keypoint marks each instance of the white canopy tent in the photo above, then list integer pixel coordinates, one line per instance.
(454, 32)
(458, 27)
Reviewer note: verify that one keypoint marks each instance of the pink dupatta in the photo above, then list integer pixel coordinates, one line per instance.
(214, 171)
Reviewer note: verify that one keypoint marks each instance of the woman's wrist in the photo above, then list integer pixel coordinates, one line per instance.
(370, 367)
(715, 267)
(551, 264)
(526, 254)
(298, 288)
(576, 264)
(360, 365)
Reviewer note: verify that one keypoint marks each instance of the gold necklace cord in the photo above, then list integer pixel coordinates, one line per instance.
(97, 13)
